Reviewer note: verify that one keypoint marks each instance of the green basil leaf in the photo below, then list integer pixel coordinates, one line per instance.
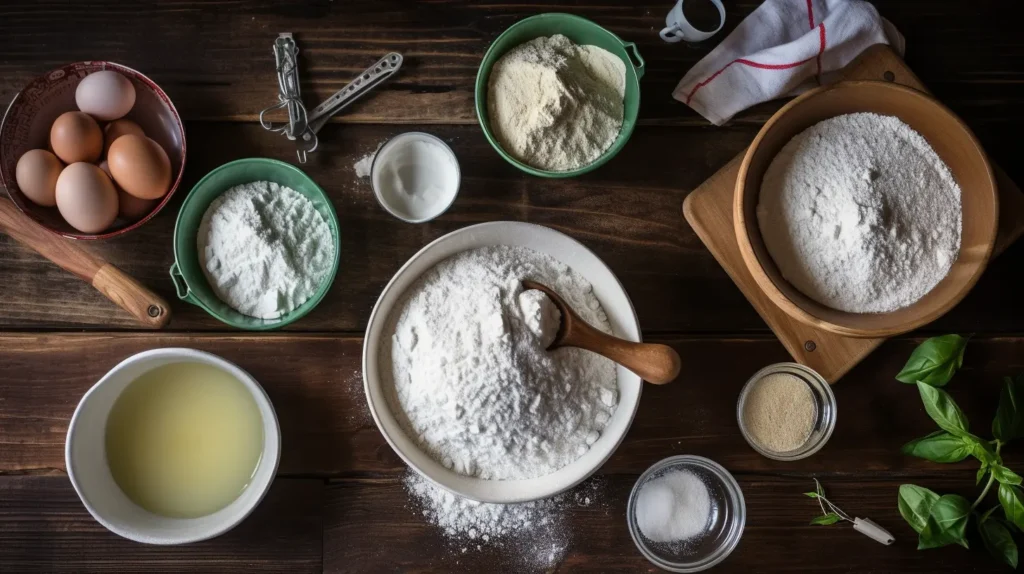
(941, 447)
(915, 504)
(811, 494)
(1005, 475)
(933, 537)
(998, 541)
(934, 361)
(984, 452)
(830, 518)
(947, 523)
(950, 512)
(1009, 421)
(943, 410)
(981, 472)
(1011, 498)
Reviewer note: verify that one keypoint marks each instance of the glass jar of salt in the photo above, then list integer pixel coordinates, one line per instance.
(686, 513)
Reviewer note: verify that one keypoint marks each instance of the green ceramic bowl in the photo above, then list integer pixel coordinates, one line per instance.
(187, 274)
(580, 31)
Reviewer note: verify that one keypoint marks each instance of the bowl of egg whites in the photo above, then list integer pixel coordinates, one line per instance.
(91, 150)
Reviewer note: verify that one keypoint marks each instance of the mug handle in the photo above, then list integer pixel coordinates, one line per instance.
(671, 34)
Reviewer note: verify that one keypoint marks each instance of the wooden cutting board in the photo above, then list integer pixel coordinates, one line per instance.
(708, 209)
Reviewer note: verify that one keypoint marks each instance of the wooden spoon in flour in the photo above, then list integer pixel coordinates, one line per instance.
(654, 363)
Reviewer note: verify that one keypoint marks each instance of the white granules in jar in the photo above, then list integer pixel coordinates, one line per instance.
(860, 214)
(555, 105)
(264, 248)
(673, 507)
(470, 379)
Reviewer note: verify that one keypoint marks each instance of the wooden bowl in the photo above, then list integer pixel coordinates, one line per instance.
(952, 141)
(26, 125)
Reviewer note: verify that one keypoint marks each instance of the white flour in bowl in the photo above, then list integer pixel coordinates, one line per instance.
(470, 379)
(860, 214)
(555, 105)
(264, 248)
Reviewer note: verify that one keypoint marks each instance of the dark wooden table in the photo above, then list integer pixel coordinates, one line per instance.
(338, 503)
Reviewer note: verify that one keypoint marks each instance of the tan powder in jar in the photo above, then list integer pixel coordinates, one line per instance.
(779, 412)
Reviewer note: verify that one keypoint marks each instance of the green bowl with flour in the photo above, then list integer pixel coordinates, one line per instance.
(581, 31)
(187, 273)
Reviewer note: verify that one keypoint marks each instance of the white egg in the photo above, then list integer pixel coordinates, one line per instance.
(105, 95)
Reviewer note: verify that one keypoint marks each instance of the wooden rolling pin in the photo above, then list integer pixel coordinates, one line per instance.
(116, 285)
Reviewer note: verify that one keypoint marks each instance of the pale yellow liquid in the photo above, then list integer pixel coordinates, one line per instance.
(184, 440)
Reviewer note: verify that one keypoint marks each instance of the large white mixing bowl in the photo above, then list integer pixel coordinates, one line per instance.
(608, 291)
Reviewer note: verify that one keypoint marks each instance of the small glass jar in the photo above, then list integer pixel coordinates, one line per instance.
(824, 411)
(725, 524)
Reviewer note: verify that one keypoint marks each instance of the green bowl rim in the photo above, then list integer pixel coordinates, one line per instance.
(479, 101)
(292, 316)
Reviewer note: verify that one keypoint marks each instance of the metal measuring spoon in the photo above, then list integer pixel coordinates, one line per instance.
(357, 88)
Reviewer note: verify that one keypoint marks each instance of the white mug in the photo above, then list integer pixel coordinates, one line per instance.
(678, 28)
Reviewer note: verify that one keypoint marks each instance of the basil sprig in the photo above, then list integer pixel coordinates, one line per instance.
(941, 520)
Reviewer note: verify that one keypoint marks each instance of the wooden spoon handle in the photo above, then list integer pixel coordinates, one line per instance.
(132, 296)
(658, 364)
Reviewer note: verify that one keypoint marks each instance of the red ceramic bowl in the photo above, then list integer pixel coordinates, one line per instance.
(26, 125)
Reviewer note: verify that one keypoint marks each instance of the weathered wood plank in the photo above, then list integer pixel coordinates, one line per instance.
(369, 527)
(628, 212)
(315, 384)
(214, 58)
(45, 528)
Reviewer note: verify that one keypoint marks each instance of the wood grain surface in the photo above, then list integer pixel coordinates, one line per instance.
(214, 58)
(589, 536)
(338, 504)
(627, 213)
(44, 527)
(315, 383)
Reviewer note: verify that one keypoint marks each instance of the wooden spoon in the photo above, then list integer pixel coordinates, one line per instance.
(116, 285)
(654, 363)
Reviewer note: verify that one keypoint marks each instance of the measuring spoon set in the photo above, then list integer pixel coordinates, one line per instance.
(302, 126)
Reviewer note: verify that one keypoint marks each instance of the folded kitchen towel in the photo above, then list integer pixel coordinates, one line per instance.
(782, 48)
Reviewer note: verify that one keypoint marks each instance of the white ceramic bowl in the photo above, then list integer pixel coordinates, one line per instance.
(86, 457)
(608, 291)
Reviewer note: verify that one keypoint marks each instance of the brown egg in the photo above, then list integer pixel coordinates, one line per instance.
(133, 208)
(118, 128)
(86, 197)
(129, 206)
(37, 174)
(75, 136)
(140, 166)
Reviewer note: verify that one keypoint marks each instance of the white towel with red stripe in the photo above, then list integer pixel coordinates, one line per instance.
(782, 48)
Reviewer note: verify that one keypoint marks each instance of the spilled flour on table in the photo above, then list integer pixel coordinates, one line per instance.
(522, 537)
(364, 165)
(355, 396)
